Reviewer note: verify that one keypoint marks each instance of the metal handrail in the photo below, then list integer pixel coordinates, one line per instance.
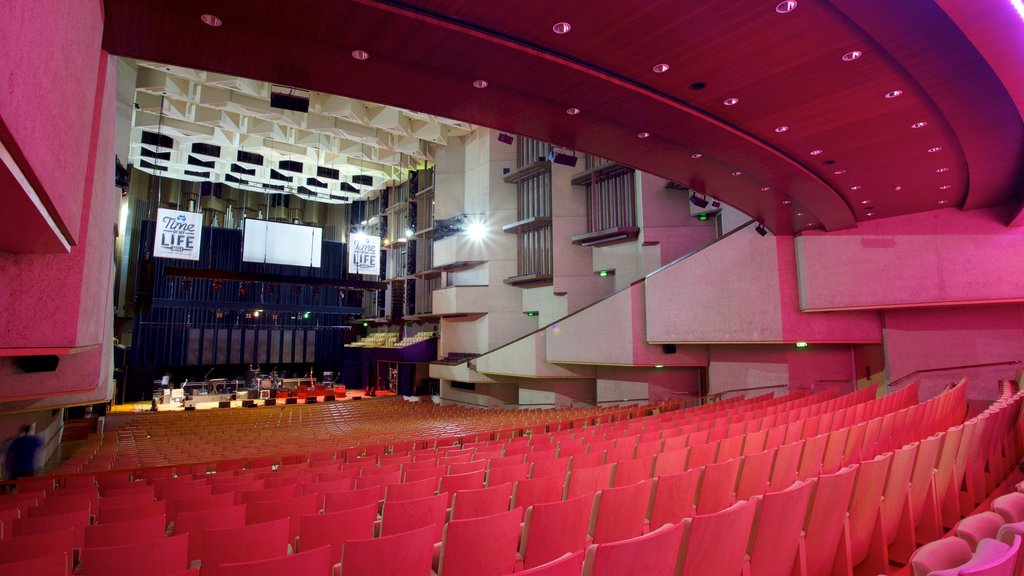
(901, 379)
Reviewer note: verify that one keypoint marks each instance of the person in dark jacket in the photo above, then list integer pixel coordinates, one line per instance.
(21, 455)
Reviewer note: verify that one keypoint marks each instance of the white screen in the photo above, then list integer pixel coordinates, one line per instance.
(278, 243)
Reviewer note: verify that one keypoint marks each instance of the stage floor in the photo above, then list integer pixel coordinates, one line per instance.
(148, 406)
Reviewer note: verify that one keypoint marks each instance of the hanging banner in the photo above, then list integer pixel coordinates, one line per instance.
(363, 254)
(178, 234)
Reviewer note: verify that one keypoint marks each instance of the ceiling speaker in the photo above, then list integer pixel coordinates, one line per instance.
(289, 102)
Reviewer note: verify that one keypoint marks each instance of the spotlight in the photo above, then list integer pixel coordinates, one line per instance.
(761, 229)
(563, 159)
(505, 138)
(698, 201)
(476, 231)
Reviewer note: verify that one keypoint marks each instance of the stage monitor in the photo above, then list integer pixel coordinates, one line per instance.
(279, 243)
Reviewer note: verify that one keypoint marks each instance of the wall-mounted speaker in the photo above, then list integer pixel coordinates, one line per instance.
(289, 102)
(668, 348)
(30, 364)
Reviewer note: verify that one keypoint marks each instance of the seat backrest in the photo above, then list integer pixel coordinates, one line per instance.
(675, 497)
(755, 474)
(243, 544)
(406, 515)
(506, 473)
(121, 533)
(484, 546)
(196, 523)
(481, 502)
(897, 488)
(126, 500)
(923, 475)
(622, 512)
(21, 548)
(778, 525)
(653, 554)
(672, 461)
(786, 466)
(538, 491)
(554, 528)
(543, 468)
(566, 565)
(717, 543)
(587, 480)
(335, 528)
(468, 481)
(1010, 507)
(133, 512)
(314, 561)
(865, 504)
(198, 503)
(349, 499)
(633, 470)
(976, 527)
(74, 520)
(829, 505)
(407, 553)
(290, 508)
(718, 489)
(702, 455)
(50, 565)
(157, 557)
(410, 490)
(811, 458)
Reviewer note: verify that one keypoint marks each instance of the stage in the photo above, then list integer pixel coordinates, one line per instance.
(205, 403)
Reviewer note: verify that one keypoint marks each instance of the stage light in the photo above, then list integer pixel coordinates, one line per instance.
(256, 313)
(760, 229)
(801, 344)
(659, 365)
(476, 231)
(698, 201)
(505, 138)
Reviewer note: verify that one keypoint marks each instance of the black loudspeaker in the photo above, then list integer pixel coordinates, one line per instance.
(563, 159)
(144, 285)
(46, 363)
(328, 398)
(224, 404)
(292, 401)
(248, 404)
(668, 348)
(187, 408)
(311, 400)
(289, 102)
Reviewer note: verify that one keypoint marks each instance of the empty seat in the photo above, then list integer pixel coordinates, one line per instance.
(467, 481)
(675, 497)
(335, 528)
(290, 508)
(829, 505)
(159, 557)
(780, 520)
(538, 491)
(718, 488)
(976, 527)
(133, 512)
(406, 515)
(77, 521)
(622, 512)
(555, 528)
(506, 473)
(339, 501)
(717, 543)
(632, 471)
(588, 480)
(1010, 507)
(243, 544)
(482, 502)
(952, 556)
(406, 553)
(21, 548)
(121, 533)
(566, 565)
(50, 565)
(653, 554)
(484, 546)
(315, 562)
(196, 523)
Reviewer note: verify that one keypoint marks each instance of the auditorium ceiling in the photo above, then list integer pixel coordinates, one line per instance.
(804, 114)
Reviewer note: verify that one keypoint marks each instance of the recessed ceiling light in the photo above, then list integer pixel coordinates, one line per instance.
(897, 188)
(815, 152)
(731, 101)
(894, 94)
(839, 172)
(561, 28)
(854, 188)
(781, 129)
(809, 224)
(935, 149)
(799, 213)
(643, 134)
(943, 201)
(360, 54)
(941, 170)
(211, 20)
(696, 155)
(870, 214)
(480, 83)
(765, 188)
(660, 68)
(787, 202)
(852, 55)
(572, 111)
(785, 7)
(945, 187)
(865, 201)
(918, 124)
(737, 173)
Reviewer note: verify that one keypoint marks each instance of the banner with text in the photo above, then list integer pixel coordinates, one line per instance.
(363, 254)
(178, 234)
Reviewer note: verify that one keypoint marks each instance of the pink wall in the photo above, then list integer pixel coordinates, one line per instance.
(733, 367)
(955, 336)
(667, 220)
(941, 257)
(669, 383)
(49, 54)
(65, 300)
